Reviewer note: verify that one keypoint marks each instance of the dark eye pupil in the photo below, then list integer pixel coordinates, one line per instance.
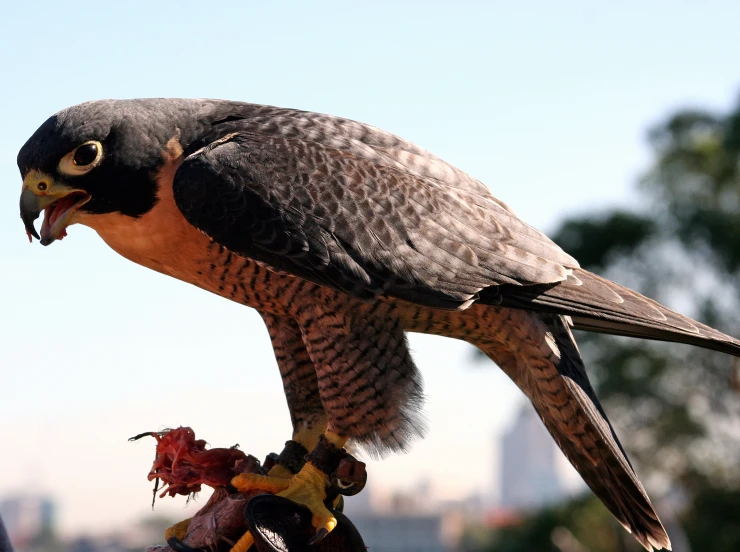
(86, 154)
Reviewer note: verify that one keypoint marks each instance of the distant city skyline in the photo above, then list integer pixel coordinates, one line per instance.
(27, 517)
(529, 475)
(408, 522)
(412, 520)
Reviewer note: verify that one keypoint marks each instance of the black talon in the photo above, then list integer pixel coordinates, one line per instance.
(178, 546)
(319, 536)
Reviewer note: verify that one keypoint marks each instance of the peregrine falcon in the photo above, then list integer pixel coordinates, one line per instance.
(345, 237)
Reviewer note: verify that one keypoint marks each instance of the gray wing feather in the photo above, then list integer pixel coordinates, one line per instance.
(567, 404)
(599, 305)
(335, 209)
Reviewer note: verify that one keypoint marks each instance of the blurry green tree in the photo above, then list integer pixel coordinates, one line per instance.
(676, 408)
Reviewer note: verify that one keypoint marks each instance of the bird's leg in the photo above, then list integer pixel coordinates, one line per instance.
(308, 487)
(290, 461)
(306, 412)
(305, 437)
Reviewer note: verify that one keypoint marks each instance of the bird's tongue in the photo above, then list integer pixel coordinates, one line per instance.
(54, 212)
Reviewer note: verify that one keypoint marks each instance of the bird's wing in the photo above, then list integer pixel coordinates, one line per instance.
(339, 217)
(565, 401)
(599, 305)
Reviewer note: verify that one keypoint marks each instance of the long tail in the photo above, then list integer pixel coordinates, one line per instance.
(547, 366)
(599, 305)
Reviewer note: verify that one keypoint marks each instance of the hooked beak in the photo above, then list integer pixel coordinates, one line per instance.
(59, 203)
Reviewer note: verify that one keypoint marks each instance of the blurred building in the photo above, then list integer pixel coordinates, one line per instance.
(529, 476)
(401, 533)
(28, 518)
(409, 523)
(100, 544)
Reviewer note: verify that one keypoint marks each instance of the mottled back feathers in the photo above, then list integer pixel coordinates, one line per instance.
(340, 213)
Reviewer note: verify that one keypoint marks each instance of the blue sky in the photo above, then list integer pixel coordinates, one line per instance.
(546, 103)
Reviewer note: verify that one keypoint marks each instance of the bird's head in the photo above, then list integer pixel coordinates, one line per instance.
(93, 159)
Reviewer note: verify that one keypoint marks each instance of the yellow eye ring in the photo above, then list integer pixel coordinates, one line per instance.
(82, 159)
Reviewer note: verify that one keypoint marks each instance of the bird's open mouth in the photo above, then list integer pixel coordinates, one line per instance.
(58, 213)
(57, 216)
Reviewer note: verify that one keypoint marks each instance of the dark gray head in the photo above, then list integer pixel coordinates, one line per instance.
(102, 157)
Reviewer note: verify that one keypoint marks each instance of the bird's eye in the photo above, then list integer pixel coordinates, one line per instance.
(82, 159)
(85, 154)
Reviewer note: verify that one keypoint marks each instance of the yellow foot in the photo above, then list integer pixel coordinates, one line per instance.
(278, 470)
(244, 543)
(254, 482)
(307, 487)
